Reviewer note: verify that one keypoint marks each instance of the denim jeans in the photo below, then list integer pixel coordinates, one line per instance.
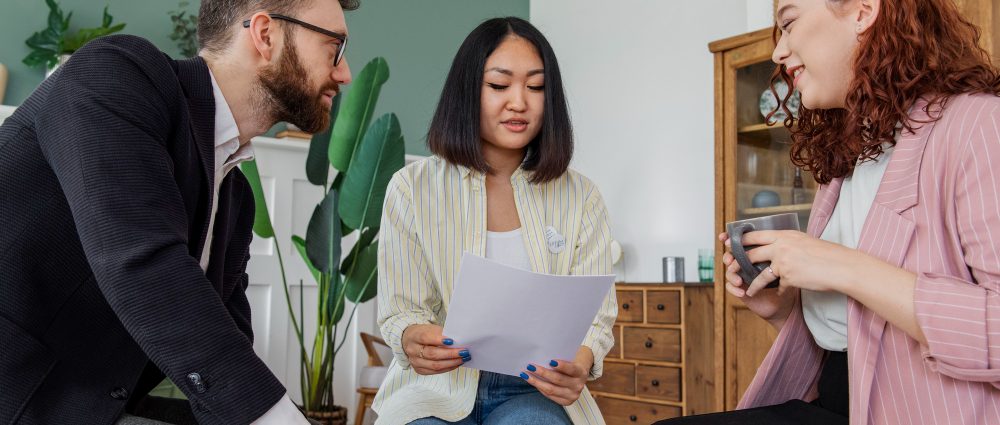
(507, 400)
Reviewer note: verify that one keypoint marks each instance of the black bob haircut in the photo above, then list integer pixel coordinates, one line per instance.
(454, 131)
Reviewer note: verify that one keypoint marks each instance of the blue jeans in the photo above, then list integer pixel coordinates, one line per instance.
(507, 400)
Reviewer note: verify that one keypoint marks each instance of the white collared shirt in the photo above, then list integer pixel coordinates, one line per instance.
(434, 212)
(228, 154)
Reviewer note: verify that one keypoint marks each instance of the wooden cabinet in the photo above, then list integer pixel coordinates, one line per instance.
(986, 15)
(751, 158)
(662, 363)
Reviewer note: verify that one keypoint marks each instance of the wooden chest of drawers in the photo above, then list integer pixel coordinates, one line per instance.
(662, 364)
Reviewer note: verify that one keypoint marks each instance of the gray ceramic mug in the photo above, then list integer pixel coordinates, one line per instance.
(736, 230)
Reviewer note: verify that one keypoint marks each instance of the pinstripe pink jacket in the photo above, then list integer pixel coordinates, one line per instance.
(937, 213)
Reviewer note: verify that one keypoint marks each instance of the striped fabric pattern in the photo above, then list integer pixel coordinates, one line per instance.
(434, 212)
(936, 214)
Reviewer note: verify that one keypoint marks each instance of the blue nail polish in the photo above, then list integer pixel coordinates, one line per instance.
(464, 353)
(531, 368)
(553, 363)
(448, 341)
(524, 375)
(466, 359)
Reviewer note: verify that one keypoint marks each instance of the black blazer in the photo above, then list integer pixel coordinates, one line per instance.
(105, 175)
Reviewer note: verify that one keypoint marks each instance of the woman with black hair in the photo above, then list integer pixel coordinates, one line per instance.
(498, 187)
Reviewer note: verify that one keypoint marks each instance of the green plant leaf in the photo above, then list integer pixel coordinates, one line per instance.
(46, 45)
(106, 18)
(356, 112)
(300, 246)
(381, 154)
(323, 235)
(84, 36)
(56, 20)
(38, 58)
(362, 283)
(366, 239)
(335, 303)
(338, 182)
(318, 160)
(44, 40)
(262, 218)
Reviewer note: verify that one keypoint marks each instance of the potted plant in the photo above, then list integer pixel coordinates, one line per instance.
(52, 46)
(185, 32)
(365, 158)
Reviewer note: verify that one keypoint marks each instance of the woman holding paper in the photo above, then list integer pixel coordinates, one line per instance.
(498, 187)
(888, 309)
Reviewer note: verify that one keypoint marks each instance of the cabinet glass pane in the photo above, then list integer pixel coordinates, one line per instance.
(766, 180)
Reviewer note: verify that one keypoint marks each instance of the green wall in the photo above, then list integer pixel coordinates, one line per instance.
(417, 38)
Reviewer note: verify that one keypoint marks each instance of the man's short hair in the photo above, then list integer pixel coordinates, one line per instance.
(217, 18)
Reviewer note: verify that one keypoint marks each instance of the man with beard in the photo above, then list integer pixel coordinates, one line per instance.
(127, 223)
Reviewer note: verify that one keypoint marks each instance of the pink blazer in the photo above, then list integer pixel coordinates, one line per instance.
(937, 213)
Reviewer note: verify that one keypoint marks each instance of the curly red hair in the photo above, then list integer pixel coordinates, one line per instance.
(914, 49)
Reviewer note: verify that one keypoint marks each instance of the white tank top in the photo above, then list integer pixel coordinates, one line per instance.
(507, 248)
(826, 312)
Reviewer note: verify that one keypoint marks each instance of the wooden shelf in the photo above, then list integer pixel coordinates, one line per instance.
(294, 134)
(761, 127)
(778, 209)
(762, 134)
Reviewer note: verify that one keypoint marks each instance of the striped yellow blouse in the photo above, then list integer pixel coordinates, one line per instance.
(433, 213)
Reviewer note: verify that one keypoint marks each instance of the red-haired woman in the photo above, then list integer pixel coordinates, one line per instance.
(900, 268)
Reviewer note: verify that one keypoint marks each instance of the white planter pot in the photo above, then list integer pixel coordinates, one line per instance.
(62, 60)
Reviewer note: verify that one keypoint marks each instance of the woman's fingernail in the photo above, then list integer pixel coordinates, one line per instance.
(524, 375)
(463, 353)
(448, 341)
(531, 368)
(553, 363)
(466, 359)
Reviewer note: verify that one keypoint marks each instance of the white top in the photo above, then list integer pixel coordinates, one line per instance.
(826, 312)
(507, 248)
(229, 154)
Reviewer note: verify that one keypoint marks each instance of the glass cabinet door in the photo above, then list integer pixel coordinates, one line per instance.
(766, 181)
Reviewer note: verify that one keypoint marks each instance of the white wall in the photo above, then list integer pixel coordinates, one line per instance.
(760, 14)
(639, 78)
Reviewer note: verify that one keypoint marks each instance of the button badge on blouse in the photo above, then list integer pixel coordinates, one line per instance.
(555, 241)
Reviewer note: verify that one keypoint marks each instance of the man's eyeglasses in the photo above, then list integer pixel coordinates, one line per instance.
(340, 47)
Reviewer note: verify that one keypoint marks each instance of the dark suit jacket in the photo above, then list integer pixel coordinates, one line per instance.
(105, 175)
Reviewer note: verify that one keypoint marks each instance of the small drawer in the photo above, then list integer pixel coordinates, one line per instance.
(617, 411)
(664, 307)
(663, 383)
(629, 306)
(616, 350)
(662, 345)
(618, 378)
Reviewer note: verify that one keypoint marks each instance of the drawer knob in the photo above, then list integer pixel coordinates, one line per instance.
(625, 306)
(649, 344)
(660, 307)
(633, 418)
(656, 382)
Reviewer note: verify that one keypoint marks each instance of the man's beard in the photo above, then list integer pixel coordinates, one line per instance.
(286, 93)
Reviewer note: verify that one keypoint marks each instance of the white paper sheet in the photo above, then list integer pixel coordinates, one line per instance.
(508, 317)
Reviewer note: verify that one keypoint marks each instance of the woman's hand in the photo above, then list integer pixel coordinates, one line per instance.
(429, 352)
(561, 381)
(801, 261)
(772, 305)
